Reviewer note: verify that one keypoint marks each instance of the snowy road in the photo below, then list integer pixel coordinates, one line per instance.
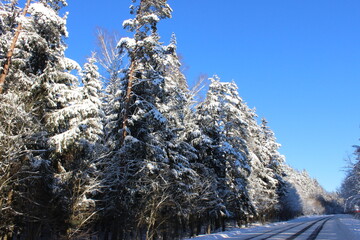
(341, 227)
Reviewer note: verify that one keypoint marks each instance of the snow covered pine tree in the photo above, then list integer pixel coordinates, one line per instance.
(266, 168)
(15, 123)
(49, 119)
(149, 178)
(221, 119)
(350, 188)
(154, 167)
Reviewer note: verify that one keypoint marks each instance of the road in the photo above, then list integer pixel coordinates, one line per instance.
(334, 227)
(308, 229)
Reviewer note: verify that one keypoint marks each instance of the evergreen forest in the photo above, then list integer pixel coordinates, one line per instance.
(130, 153)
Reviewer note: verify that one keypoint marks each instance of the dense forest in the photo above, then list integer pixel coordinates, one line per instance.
(130, 154)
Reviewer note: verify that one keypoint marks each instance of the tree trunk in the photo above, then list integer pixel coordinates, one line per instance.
(139, 14)
(223, 226)
(208, 231)
(10, 53)
(127, 101)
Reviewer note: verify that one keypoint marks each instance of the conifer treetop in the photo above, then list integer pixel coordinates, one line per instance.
(147, 14)
(55, 4)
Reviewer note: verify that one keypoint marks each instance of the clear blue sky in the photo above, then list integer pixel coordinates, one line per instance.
(297, 62)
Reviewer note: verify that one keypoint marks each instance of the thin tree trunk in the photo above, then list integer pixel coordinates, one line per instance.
(131, 79)
(127, 101)
(9, 54)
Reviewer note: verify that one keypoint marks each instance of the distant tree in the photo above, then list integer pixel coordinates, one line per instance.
(350, 189)
(108, 56)
(266, 170)
(312, 198)
(290, 201)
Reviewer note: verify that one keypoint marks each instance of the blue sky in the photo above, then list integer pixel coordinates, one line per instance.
(297, 62)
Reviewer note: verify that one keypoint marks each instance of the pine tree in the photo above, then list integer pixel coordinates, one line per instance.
(145, 53)
(139, 165)
(350, 189)
(59, 127)
(56, 94)
(266, 169)
(304, 195)
(150, 168)
(92, 96)
(221, 119)
(89, 141)
(137, 160)
(17, 156)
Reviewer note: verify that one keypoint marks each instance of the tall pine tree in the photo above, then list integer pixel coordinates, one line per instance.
(221, 119)
(148, 170)
(52, 124)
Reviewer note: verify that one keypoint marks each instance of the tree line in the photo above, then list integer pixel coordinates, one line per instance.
(130, 154)
(350, 190)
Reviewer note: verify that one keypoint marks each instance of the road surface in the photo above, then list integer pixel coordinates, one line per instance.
(339, 227)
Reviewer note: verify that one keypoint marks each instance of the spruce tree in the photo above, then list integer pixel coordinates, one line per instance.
(149, 168)
(350, 189)
(221, 120)
(139, 167)
(57, 124)
(266, 168)
(19, 127)
(88, 141)
(56, 94)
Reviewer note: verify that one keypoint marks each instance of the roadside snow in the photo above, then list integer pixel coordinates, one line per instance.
(350, 226)
(256, 227)
(346, 225)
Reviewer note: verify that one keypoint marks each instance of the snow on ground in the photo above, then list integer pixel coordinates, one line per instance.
(349, 225)
(345, 224)
(256, 227)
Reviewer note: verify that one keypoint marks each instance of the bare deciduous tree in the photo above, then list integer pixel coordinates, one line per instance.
(107, 54)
